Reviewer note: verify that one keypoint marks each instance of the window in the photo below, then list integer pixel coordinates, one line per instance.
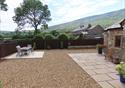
(117, 41)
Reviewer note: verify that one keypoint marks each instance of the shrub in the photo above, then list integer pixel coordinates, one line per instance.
(63, 37)
(22, 36)
(38, 37)
(29, 36)
(49, 37)
(1, 37)
(72, 37)
(121, 68)
(54, 33)
(18, 36)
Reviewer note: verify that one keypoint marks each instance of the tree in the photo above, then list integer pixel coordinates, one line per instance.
(3, 6)
(89, 26)
(32, 12)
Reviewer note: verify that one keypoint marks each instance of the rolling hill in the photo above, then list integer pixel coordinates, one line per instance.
(104, 20)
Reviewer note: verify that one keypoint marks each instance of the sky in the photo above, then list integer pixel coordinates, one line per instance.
(63, 11)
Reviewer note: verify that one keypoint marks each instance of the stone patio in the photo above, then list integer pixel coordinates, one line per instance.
(102, 71)
(32, 55)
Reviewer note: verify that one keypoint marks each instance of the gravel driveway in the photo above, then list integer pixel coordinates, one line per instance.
(55, 70)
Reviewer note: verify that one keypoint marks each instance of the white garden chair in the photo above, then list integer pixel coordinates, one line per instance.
(19, 52)
(30, 47)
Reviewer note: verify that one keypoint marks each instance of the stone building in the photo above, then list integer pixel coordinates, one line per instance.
(89, 32)
(114, 40)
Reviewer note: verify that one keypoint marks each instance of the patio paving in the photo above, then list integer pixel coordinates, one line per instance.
(102, 71)
(32, 55)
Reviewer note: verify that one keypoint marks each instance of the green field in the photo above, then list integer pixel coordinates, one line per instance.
(104, 20)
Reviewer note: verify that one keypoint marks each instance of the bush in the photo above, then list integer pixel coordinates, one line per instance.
(38, 37)
(22, 36)
(29, 36)
(1, 37)
(72, 37)
(49, 37)
(18, 37)
(121, 68)
(54, 33)
(63, 37)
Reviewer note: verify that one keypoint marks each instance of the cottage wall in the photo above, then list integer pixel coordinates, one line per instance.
(109, 40)
(110, 36)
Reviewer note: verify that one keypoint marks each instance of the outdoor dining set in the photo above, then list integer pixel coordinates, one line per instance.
(21, 51)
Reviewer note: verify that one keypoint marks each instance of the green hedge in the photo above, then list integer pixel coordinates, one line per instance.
(49, 37)
(22, 36)
(63, 37)
(1, 37)
(39, 37)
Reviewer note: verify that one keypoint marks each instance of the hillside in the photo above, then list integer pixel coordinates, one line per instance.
(104, 20)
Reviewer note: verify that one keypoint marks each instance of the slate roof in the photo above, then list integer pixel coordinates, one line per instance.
(80, 29)
(93, 32)
(117, 26)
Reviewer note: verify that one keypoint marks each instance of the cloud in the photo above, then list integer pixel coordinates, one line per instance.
(63, 10)
(75, 9)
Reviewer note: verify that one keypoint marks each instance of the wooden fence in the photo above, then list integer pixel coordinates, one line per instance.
(7, 48)
(85, 42)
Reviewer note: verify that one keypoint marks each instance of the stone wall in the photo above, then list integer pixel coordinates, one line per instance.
(109, 41)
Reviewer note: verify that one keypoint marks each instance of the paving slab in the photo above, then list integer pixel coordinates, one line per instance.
(32, 55)
(105, 85)
(117, 84)
(88, 67)
(90, 72)
(113, 75)
(101, 77)
(101, 70)
(100, 66)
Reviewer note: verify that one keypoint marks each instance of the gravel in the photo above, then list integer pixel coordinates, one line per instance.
(55, 70)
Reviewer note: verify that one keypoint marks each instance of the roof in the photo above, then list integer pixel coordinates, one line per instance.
(117, 25)
(97, 27)
(92, 32)
(80, 29)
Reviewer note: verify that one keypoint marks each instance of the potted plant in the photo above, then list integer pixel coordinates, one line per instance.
(121, 69)
(99, 48)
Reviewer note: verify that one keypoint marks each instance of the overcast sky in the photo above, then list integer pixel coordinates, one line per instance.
(63, 10)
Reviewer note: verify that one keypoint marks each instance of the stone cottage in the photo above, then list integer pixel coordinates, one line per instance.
(89, 32)
(114, 40)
